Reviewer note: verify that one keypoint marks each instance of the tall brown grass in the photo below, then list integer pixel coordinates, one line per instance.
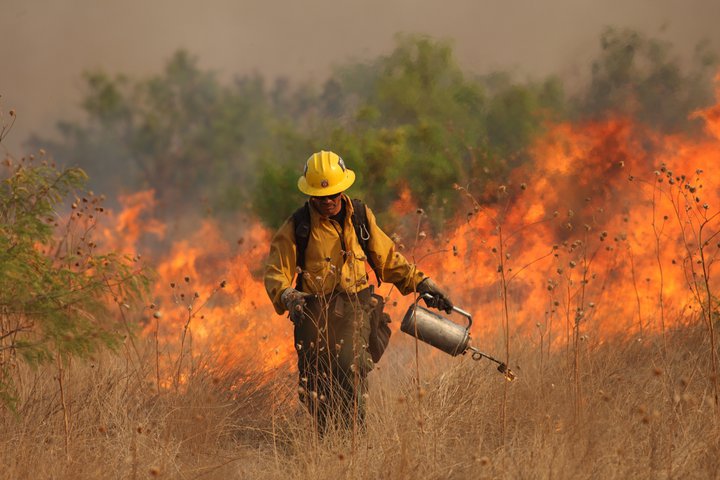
(645, 415)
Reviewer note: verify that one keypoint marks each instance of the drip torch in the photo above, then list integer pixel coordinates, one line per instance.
(443, 334)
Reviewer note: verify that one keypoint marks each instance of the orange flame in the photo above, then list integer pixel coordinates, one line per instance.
(602, 230)
(603, 233)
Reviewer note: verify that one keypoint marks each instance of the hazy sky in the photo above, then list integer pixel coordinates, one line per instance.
(46, 44)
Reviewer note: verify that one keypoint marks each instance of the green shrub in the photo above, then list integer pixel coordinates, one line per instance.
(56, 288)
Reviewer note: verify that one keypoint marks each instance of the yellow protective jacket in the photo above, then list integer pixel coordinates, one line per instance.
(326, 268)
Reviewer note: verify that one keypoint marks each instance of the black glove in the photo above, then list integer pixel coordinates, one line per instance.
(439, 298)
(294, 301)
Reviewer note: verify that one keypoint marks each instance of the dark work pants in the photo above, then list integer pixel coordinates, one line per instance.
(333, 361)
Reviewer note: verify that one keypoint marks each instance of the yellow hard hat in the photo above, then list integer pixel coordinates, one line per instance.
(325, 174)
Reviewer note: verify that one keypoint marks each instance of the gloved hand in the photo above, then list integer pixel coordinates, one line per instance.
(294, 301)
(439, 298)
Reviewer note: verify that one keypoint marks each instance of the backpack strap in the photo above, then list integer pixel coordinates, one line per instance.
(301, 220)
(359, 221)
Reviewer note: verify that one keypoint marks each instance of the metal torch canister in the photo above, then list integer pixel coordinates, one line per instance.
(436, 330)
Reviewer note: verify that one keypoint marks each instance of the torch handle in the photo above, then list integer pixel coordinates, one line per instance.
(427, 296)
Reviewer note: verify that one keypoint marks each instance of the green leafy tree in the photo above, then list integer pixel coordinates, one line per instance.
(56, 288)
(637, 76)
(182, 133)
(414, 120)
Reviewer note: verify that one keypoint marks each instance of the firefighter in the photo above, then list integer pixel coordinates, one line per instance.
(326, 244)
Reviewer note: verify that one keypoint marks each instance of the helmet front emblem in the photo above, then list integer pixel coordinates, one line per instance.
(324, 183)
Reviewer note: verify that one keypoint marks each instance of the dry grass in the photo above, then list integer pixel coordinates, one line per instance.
(642, 416)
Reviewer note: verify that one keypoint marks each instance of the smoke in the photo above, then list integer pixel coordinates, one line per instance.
(46, 45)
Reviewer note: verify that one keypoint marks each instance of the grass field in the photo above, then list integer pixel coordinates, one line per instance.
(637, 410)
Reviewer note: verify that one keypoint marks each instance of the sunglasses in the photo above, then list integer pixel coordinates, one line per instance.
(328, 197)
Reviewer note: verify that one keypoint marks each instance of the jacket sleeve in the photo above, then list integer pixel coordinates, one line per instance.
(281, 264)
(392, 265)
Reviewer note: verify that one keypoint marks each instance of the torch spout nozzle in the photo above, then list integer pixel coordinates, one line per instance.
(502, 367)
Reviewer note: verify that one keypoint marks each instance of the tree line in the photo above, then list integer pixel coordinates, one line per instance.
(412, 120)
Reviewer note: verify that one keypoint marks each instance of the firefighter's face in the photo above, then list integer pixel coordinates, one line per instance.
(328, 206)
